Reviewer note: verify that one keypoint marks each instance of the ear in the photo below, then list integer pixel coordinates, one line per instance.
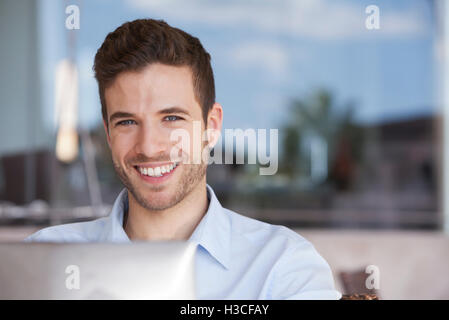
(106, 129)
(214, 124)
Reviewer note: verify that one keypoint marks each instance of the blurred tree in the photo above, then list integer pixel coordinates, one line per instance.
(318, 128)
(109, 182)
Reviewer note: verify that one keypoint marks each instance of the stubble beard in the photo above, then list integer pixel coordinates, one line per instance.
(191, 176)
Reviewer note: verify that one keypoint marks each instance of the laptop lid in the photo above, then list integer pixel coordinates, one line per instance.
(138, 270)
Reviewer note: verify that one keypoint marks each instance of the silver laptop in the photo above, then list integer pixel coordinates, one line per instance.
(139, 270)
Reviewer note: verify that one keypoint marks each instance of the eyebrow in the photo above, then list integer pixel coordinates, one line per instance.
(121, 114)
(174, 109)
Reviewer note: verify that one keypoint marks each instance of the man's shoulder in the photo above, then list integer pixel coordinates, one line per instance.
(88, 231)
(300, 271)
(254, 228)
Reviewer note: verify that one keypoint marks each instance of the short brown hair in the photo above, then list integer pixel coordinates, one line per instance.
(138, 43)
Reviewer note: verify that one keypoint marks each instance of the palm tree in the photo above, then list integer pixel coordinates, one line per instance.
(318, 133)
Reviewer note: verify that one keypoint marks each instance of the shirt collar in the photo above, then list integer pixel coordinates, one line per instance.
(213, 233)
(113, 231)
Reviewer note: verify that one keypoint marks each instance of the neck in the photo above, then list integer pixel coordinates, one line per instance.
(175, 223)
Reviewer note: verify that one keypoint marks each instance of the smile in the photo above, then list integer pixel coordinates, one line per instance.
(157, 171)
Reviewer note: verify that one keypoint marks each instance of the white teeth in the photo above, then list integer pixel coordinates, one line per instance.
(158, 171)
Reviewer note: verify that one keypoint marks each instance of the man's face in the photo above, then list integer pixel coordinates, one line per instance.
(143, 109)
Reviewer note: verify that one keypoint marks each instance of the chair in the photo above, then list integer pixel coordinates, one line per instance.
(354, 286)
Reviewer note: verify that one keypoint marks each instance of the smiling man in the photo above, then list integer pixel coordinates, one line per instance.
(143, 109)
(155, 80)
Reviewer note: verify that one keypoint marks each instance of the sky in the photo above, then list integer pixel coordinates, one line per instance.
(265, 53)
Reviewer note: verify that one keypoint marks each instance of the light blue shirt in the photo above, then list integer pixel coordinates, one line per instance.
(237, 258)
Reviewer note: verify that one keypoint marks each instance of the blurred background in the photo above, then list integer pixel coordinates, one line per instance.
(362, 118)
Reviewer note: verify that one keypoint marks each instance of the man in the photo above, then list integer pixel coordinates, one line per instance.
(155, 80)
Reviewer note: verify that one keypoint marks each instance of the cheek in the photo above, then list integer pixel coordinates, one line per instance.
(179, 139)
(193, 145)
(121, 146)
(196, 145)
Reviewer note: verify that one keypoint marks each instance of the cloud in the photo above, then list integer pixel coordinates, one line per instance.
(265, 56)
(324, 19)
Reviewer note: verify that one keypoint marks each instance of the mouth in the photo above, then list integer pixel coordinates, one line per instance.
(156, 174)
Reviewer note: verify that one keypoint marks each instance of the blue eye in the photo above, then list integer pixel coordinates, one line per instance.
(125, 122)
(173, 118)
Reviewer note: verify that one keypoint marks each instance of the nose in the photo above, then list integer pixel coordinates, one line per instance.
(151, 141)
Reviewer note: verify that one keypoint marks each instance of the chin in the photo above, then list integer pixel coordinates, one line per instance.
(158, 199)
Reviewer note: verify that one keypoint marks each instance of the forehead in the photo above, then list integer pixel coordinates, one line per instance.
(154, 87)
